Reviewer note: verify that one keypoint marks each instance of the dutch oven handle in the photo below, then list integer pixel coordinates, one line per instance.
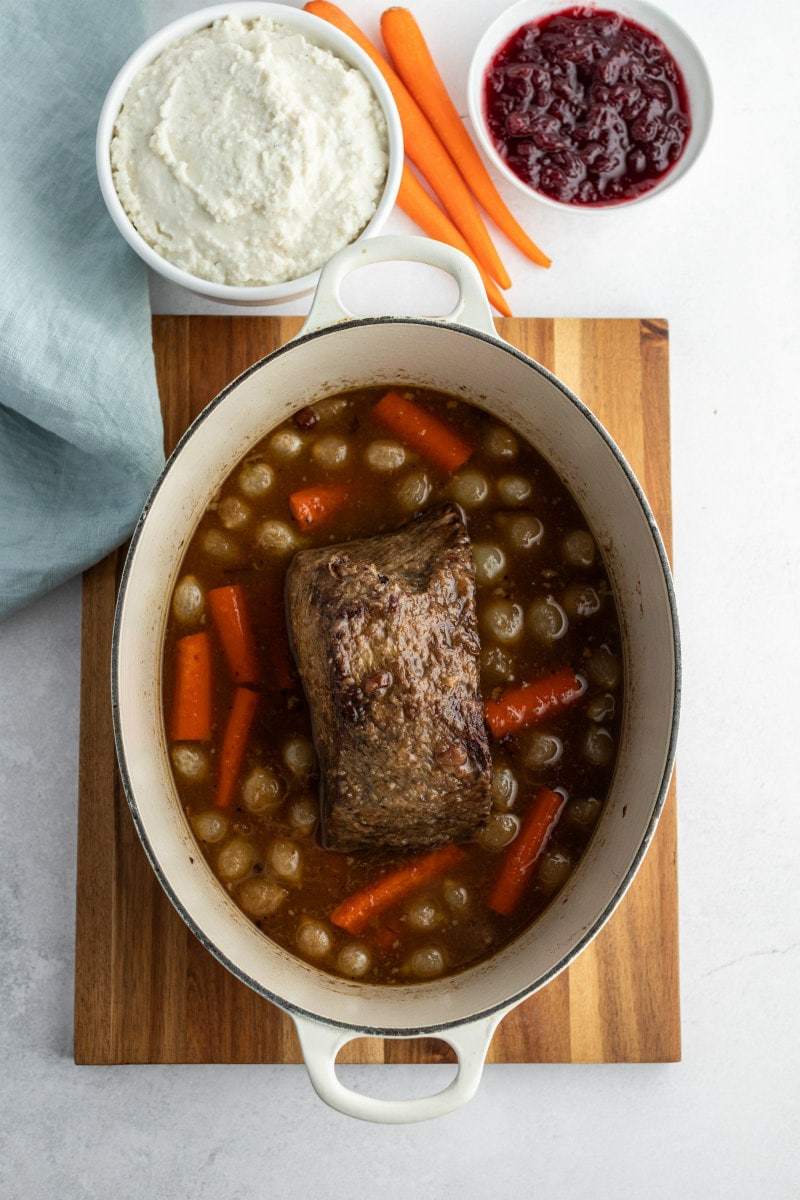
(321, 1043)
(472, 307)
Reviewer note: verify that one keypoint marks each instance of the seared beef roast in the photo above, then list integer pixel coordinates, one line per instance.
(385, 636)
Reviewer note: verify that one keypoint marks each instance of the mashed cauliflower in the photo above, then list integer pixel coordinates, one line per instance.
(247, 156)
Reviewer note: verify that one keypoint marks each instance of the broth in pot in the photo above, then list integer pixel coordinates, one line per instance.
(362, 465)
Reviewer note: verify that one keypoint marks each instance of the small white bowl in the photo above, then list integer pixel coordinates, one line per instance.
(681, 47)
(315, 30)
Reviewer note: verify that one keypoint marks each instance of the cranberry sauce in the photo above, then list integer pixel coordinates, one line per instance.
(587, 107)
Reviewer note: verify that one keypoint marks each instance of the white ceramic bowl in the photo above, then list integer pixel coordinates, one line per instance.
(461, 355)
(315, 30)
(683, 50)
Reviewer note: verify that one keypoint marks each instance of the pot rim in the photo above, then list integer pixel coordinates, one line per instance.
(507, 1003)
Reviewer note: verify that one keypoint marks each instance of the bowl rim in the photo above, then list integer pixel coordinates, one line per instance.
(682, 47)
(316, 30)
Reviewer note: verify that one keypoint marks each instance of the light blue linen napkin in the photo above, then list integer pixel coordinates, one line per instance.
(80, 425)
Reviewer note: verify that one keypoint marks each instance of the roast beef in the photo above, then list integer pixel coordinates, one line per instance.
(385, 637)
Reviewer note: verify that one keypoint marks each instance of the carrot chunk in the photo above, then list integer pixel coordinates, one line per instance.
(234, 744)
(232, 620)
(422, 431)
(519, 860)
(191, 704)
(312, 506)
(355, 913)
(522, 706)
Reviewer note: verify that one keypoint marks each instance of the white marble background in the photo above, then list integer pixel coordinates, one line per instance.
(718, 257)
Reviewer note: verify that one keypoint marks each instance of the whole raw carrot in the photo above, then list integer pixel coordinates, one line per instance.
(422, 431)
(234, 744)
(519, 860)
(314, 505)
(413, 62)
(191, 703)
(424, 148)
(355, 913)
(519, 707)
(417, 204)
(231, 618)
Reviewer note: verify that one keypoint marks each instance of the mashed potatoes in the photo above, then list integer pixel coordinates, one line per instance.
(247, 156)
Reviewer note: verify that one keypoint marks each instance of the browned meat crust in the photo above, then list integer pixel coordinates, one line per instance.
(385, 636)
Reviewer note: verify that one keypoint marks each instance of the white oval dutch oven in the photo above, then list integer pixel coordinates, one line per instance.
(461, 355)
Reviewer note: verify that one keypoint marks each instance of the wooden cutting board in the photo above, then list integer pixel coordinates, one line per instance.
(147, 992)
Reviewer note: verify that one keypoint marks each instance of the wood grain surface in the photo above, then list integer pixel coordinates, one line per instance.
(145, 989)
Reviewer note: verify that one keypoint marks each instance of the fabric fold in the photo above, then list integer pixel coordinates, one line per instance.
(81, 439)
